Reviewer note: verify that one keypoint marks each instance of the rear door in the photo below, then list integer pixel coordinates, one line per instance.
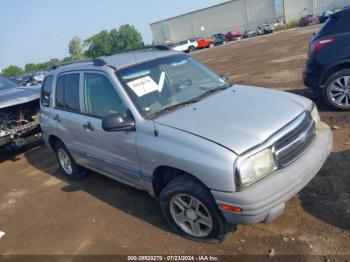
(66, 116)
(46, 106)
(112, 153)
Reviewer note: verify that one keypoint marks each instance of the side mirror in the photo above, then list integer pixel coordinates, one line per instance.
(117, 123)
(224, 78)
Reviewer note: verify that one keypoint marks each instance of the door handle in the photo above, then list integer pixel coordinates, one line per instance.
(56, 118)
(88, 127)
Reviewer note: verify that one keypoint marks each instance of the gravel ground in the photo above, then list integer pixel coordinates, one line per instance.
(42, 213)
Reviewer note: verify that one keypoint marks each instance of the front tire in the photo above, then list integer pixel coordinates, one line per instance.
(190, 210)
(337, 90)
(68, 166)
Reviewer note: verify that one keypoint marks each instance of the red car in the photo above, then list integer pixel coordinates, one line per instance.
(234, 35)
(203, 43)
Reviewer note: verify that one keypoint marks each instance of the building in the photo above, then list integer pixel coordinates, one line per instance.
(237, 14)
(295, 9)
(234, 14)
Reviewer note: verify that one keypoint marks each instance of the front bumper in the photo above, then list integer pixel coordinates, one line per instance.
(265, 200)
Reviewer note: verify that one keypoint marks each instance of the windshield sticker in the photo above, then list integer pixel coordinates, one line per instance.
(146, 85)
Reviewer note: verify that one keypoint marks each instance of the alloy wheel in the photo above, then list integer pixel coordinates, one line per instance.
(65, 161)
(339, 92)
(191, 215)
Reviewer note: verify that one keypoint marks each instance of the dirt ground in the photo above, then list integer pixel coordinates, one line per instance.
(41, 213)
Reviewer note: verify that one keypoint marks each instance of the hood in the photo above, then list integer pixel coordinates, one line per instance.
(238, 118)
(18, 95)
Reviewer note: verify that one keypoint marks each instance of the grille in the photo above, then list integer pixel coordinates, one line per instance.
(291, 146)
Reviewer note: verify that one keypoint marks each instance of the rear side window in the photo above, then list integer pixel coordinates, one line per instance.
(46, 91)
(67, 92)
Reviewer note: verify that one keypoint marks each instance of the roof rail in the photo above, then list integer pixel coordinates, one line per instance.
(101, 62)
(147, 48)
(95, 61)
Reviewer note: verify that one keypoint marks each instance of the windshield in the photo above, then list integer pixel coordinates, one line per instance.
(160, 84)
(6, 84)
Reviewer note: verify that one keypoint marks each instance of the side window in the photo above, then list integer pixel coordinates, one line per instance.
(67, 92)
(100, 97)
(59, 93)
(46, 91)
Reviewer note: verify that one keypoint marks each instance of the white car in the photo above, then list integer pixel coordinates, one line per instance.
(186, 46)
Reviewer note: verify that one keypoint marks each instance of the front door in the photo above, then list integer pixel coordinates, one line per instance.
(111, 153)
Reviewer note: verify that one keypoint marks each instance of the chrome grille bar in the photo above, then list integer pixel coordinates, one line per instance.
(290, 147)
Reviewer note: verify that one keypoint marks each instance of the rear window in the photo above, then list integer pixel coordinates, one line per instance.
(46, 91)
(67, 92)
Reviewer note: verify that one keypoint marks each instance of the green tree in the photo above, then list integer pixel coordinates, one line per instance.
(12, 70)
(106, 43)
(29, 68)
(129, 37)
(98, 45)
(76, 48)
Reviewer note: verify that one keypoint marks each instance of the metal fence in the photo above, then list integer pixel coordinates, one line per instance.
(234, 14)
(295, 9)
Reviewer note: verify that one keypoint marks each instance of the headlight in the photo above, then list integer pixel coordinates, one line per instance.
(314, 114)
(256, 167)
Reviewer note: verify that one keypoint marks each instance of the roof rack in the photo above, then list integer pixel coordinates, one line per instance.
(95, 61)
(101, 62)
(148, 48)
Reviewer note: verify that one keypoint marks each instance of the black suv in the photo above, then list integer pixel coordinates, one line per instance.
(328, 64)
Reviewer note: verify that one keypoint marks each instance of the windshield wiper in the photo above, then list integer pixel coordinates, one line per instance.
(212, 91)
(191, 101)
(176, 106)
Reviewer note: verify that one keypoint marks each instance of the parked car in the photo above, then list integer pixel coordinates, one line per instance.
(32, 79)
(265, 29)
(19, 111)
(219, 39)
(249, 33)
(234, 35)
(213, 154)
(186, 46)
(309, 20)
(328, 69)
(205, 43)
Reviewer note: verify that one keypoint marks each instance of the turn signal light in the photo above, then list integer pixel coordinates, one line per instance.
(231, 208)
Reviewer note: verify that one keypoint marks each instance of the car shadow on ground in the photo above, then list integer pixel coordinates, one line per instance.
(125, 198)
(12, 154)
(327, 196)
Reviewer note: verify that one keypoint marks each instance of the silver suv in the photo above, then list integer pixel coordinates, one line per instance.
(214, 154)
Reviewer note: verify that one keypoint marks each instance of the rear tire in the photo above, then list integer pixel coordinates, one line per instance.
(337, 90)
(68, 166)
(190, 211)
(191, 49)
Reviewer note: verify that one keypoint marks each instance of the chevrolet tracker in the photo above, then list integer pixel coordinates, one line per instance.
(214, 154)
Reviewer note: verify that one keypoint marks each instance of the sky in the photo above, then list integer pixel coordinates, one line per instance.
(34, 31)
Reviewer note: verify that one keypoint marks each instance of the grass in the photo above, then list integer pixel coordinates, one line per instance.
(293, 23)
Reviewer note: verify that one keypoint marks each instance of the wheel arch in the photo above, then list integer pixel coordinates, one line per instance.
(162, 175)
(345, 64)
(52, 141)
